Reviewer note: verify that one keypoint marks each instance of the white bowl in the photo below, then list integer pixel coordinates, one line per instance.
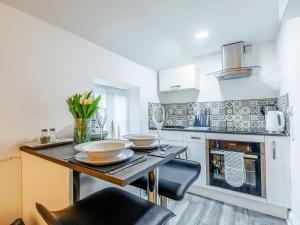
(141, 139)
(102, 150)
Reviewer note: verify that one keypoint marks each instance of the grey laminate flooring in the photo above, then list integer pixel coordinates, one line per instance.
(196, 210)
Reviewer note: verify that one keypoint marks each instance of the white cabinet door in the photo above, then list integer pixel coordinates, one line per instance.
(278, 171)
(195, 143)
(172, 135)
(170, 138)
(184, 77)
(196, 152)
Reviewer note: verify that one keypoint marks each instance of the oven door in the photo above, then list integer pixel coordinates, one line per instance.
(254, 184)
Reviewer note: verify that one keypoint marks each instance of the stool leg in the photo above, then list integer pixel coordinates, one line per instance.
(164, 201)
(76, 186)
(143, 193)
(152, 186)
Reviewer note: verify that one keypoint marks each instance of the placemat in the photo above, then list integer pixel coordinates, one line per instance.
(165, 148)
(145, 151)
(107, 168)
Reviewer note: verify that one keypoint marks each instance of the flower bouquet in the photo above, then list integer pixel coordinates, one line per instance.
(82, 107)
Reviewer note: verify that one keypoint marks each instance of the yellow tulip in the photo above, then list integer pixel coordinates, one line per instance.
(90, 100)
(86, 101)
(82, 101)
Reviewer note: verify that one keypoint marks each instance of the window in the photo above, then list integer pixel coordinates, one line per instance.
(115, 101)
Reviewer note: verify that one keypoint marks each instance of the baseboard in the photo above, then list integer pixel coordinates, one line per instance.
(292, 220)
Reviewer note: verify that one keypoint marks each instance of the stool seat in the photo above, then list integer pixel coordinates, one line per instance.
(110, 206)
(175, 177)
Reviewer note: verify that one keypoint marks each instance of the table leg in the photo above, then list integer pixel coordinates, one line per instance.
(152, 187)
(76, 186)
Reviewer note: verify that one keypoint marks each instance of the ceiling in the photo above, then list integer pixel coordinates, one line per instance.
(292, 9)
(159, 33)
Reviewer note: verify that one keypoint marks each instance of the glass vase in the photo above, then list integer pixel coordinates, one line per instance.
(82, 130)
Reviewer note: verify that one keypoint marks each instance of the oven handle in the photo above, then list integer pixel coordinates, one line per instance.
(221, 152)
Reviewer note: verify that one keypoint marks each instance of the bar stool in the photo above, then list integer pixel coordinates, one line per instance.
(175, 177)
(110, 206)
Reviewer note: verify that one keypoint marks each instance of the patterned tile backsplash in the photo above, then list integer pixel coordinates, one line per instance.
(236, 115)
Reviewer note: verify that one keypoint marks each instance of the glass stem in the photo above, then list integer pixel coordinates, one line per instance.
(101, 133)
(158, 137)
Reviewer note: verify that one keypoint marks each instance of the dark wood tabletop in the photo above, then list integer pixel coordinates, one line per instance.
(58, 155)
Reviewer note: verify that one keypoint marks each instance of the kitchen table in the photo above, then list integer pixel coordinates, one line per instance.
(61, 154)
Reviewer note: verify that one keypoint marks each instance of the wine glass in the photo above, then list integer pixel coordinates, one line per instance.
(101, 116)
(158, 118)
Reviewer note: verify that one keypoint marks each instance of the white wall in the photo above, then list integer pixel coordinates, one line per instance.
(40, 66)
(289, 55)
(264, 82)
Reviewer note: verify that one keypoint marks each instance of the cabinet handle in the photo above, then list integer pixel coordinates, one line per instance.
(274, 150)
(198, 138)
(174, 87)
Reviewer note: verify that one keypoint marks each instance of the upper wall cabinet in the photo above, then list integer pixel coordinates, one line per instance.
(179, 78)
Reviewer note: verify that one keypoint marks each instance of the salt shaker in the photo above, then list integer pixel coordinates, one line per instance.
(52, 135)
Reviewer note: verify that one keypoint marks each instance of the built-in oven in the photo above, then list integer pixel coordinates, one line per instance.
(254, 162)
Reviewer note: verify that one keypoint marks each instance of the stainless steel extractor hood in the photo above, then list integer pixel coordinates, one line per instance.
(233, 62)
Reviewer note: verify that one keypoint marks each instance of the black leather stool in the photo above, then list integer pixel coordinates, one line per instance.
(175, 177)
(110, 206)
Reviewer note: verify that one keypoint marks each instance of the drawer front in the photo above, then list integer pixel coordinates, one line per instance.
(236, 137)
(172, 135)
(194, 137)
(169, 135)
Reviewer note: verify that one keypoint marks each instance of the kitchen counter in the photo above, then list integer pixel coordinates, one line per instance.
(224, 131)
(275, 158)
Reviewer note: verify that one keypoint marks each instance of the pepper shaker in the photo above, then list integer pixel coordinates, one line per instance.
(44, 136)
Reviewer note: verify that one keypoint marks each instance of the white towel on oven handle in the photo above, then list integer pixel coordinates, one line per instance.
(235, 172)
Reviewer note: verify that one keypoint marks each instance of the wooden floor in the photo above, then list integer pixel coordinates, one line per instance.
(195, 210)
